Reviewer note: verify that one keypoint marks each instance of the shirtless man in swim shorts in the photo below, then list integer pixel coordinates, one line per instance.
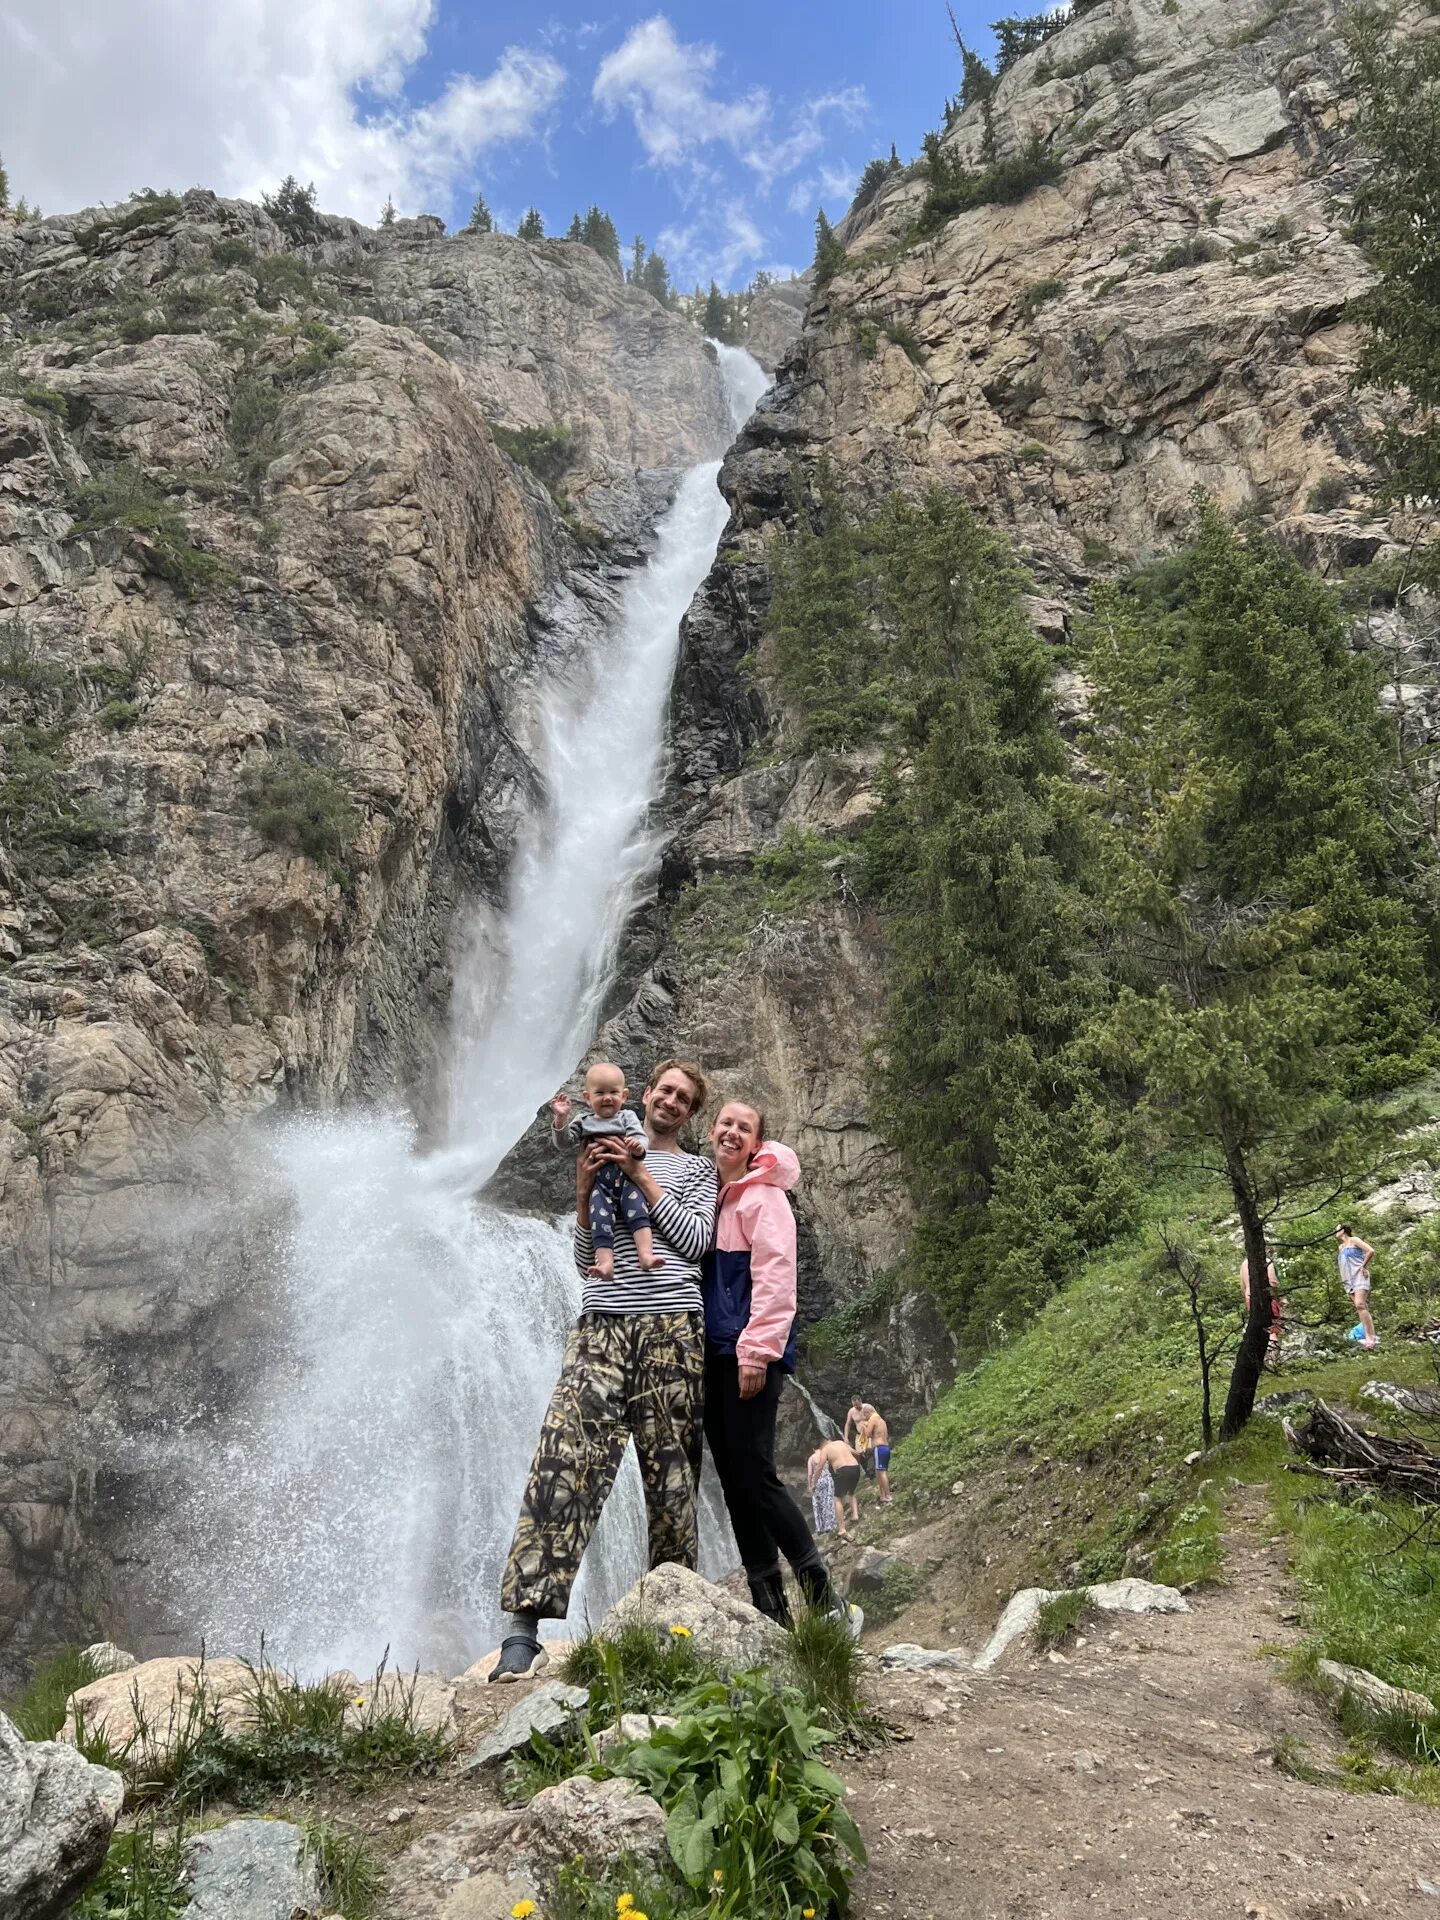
(875, 1439)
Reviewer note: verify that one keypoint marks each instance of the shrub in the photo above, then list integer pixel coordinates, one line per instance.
(232, 251)
(1104, 50)
(145, 208)
(900, 1584)
(281, 279)
(1033, 454)
(1328, 493)
(143, 1877)
(1038, 294)
(123, 499)
(117, 716)
(954, 188)
(1058, 1618)
(301, 805)
(1095, 553)
(548, 452)
(55, 829)
(1195, 250)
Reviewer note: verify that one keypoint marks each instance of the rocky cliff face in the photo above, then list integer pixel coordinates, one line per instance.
(272, 609)
(1167, 313)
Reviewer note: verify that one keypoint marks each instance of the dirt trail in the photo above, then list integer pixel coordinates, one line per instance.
(1134, 1781)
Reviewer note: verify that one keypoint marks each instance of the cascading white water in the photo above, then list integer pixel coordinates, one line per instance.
(367, 1499)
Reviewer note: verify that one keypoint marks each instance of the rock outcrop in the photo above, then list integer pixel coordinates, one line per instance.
(273, 608)
(57, 1812)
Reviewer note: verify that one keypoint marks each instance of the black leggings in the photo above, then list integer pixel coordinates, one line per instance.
(766, 1520)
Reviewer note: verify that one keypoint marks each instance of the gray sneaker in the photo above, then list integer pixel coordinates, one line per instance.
(853, 1616)
(521, 1658)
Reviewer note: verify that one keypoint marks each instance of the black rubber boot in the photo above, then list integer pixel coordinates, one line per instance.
(768, 1596)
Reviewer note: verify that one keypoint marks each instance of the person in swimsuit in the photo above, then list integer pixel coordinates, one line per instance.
(1355, 1257)
(875, 1440)
(834, 1457)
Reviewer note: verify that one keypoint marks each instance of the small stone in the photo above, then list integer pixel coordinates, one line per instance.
(106, 1658)
(397, 1815)
(1085, 1761)
(870, 1570)
(1428, 1888)
(596, 1821)
(906, 1657)
(631, 1726)
(548, 1710)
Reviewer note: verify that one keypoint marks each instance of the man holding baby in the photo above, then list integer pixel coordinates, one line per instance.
(634, 1364)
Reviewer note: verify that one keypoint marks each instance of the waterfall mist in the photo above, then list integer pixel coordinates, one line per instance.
(365, 1496)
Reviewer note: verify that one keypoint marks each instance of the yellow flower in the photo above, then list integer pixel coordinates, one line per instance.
(718, 1873)
(624, 1902)
(522, 1910)
(635, 1914)
(681, 1633)
(807, 1913)
(360, 1700)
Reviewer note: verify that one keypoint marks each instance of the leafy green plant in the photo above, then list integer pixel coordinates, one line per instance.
(548, 452)
(1333, 491)
(752, 1814)
(350, 1875)
(299, 804)
(123, 499)
(143, 1877)
(39, 1712)
(627, 1888)
(900, 1584)
(636, 1668)
(232, 251)
(954, 188)
(282, 279)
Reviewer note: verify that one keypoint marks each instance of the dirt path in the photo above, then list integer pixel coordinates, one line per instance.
(1135, 1781)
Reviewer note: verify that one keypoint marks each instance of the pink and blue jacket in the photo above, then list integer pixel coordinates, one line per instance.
(748, 1279)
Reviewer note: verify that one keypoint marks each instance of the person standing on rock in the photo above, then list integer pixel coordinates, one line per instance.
(749, 1287)
(875, 1440)
(634, 1367)
(1355, 1257)
(838, 1460)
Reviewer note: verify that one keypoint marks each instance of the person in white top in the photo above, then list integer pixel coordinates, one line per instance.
(1355, 1257)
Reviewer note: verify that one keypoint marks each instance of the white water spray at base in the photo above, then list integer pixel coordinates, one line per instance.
(366, 1498)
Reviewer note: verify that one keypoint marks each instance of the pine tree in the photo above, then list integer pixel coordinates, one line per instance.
(716, 323)
(636, 274)
(531, 227)
(292, 208)
(829, 254)
(481, 219)
(1255, 849)
(575, 231)
(599, 234)
(655, 278)
(387, 212)
(1398, 209)
(4, 188)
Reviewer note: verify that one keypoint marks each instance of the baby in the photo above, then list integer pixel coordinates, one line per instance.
(613, 1192)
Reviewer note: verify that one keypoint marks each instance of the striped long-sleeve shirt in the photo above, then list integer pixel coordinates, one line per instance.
(683, 1219)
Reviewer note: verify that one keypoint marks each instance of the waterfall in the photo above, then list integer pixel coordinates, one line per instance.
(366, 1497)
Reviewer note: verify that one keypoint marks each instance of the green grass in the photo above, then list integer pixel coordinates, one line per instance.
(825, 1663)
(1058, 1619)
(900, 1584)
(349, 1873)
(638, 1668)
(39, 1712)
(143, 1877)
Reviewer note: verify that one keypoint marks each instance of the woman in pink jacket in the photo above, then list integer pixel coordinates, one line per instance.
(748, 1284)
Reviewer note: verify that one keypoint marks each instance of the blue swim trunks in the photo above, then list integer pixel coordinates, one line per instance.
(882, 1459)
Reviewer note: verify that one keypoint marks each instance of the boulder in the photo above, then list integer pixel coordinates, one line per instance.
(631, 1726)
(57, 1812)
(250, 1870)
(722, 1628)
(447, 1875)
(870, 1569)
(1108, 1596)
(596, 1821)
(105, 1658)
(1376, 1698)
(547, 1710)
(146, 1709)
(906, 1657)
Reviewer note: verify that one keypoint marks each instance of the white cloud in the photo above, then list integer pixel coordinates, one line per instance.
(830, 187)
(99, 97)
(666, 87)
(717, 246)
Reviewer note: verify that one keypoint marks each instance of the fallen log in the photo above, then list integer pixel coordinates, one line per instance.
(1348, 1453)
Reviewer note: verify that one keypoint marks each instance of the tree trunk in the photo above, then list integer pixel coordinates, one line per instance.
(1254, 1342)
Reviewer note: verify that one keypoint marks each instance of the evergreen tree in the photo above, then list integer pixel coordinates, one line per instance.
(1398, 209)
(829, 254)
(977, 82)
(387, 212)
(600, 236)
(531, 226)
(716, 324)
(575, 231)
(655, 278)
(481, 219)
(292, 208)
(1256, 851)
(4, 188)
(636, 274)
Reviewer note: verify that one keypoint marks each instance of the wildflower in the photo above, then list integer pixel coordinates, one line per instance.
(718, 1873)
(681, 1633)
(522, 1910)
(359, 1700)
(624, 1902)
(807, 1913)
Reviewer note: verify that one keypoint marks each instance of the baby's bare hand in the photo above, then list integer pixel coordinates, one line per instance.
(561, 1107)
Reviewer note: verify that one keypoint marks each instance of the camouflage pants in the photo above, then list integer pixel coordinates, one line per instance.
(637, 1375)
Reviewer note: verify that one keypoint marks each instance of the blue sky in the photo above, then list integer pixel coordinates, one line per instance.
(714, 132)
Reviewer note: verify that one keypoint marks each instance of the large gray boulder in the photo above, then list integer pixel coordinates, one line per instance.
(250, 1870)
(1107, 1596)
(57, 1812)
(597, 1821)
(548, 1711)
(723, 1629)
